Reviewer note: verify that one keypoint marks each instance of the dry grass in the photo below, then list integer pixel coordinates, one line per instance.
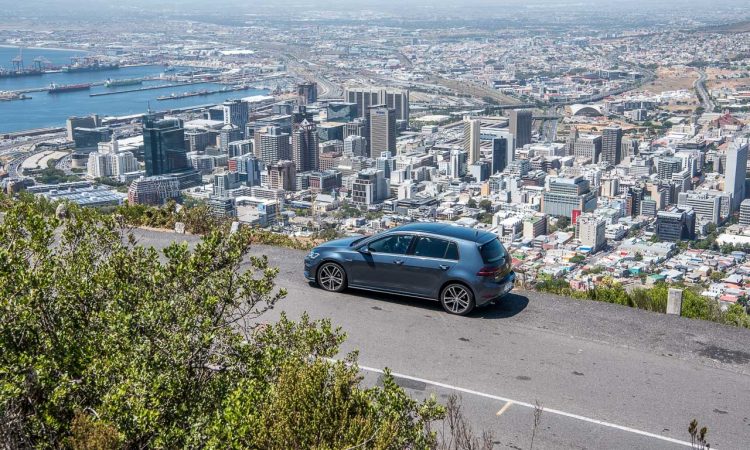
(672, 79)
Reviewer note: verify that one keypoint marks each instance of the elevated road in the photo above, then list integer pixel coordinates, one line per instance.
(705, 97)
(607, 376)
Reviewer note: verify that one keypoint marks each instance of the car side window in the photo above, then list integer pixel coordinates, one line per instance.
(430, 247)
(452, 251)
(397, 244)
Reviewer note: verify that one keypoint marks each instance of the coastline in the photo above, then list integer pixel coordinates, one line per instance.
(54, 49)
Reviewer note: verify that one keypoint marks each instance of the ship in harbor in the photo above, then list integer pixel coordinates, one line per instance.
(87, 64)
(60, 88)
(5, 73)
(116, 83)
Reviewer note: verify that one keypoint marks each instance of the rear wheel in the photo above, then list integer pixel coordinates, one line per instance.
(331, 277)
(457, 299)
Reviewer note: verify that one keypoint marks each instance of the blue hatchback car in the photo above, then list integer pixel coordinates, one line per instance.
(460, 267)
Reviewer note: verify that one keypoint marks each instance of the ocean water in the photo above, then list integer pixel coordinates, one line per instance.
(47, 110)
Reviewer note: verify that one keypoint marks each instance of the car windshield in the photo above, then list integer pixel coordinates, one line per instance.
(492, 252)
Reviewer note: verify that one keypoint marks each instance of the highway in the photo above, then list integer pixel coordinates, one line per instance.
(700, 87)
(607, 376)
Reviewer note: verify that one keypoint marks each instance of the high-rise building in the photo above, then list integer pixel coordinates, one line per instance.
(565, 195)
(224, 182)
(629, 147)
(236, 112)
(675, 225)
(307, 93)
(382, 130)
(305, 147)
(239, 148)
(73, 122)
(228, 133)
(355, 146)
(197, 140)
(365, 98)
(369, 188)
(667, 166)
(736, 173)
(458, 166)
(503, 151)
(341, 112)
(745, 212)
(591, 230)
(249, 167)
(707, 206)
(471, 139)
(272, 145)
(153, 190)
(386, 163)
(612, 145)
(282, 175)
(164, 146)
(588, 146)
(520, 125)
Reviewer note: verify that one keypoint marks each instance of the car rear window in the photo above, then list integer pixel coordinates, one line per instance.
(492, 252)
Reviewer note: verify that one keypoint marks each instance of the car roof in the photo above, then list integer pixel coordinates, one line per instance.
(448, 230)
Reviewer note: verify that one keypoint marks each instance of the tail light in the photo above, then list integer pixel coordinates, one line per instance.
(488, 271)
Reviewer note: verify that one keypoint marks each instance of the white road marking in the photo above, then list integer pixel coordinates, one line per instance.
(529, 405)
(504, 408)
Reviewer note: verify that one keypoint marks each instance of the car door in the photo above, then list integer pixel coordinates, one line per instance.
(378, 264)
(428, 263)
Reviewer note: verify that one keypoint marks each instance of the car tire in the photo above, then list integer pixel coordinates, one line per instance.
(331, 277)
(457, 299)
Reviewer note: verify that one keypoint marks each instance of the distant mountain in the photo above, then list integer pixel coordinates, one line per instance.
(737, 27)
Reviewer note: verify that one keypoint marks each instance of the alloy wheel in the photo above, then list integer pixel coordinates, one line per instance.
(457, 299)
(331, 277)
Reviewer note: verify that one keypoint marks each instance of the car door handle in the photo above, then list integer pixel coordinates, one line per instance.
(398, 261)
(444, 267)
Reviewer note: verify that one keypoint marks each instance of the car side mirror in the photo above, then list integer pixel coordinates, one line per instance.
(365, 250)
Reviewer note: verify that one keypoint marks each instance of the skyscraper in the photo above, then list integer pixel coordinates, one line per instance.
(591, 230)
(365, 98)
(382, 130)
(282, 175)
(307, 93)
(520, 126)
(305, 147)
(236, 112)
(271, 145)
(164, 146)
(355, 146)
(612, 145)
(503, 150)
(566, 195)
(471, 139)
(736, 173)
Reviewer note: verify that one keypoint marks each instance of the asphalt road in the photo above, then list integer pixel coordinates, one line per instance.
(607, 376)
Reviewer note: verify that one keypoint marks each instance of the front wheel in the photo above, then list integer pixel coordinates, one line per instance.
(457, 299)
(331, 277)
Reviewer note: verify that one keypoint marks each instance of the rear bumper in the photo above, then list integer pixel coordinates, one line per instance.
(489, 291)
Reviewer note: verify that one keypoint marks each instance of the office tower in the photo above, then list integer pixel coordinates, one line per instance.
(503, 151)
(667, 166)
(357, 127)
(591, 230)
(471, 139)
(629, 147)
(73, 122)
(369, 188)
(228, 133)
(534, 226)
(707, 206)
(307, 93)
(153, 190)
(271, 145)
(236, 112)
(745, 212)
(365, 98)
(89, 138)
(520, 125)
(457, 167)
(330, 131)
(382, 130)
(197, 140)
(248, 167)
(386, 164)
(612, 145)
(305, 147)
(341, 112)
(239, 148)
(588, 147)
(675, 225)
(164, 146)
(282, 175)
(648, 207)
(736, 173)
(480, 171)
(355, 146)
(224, 182)
(566, 195)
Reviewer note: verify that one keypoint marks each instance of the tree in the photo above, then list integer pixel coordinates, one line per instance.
(563, 222)
(471, 203)
(486, 205)
(106, 344)
(638, 256)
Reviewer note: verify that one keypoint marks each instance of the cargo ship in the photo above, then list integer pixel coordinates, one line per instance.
(4, 73)
(94, 66)
(116, 83)
(57, 89)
